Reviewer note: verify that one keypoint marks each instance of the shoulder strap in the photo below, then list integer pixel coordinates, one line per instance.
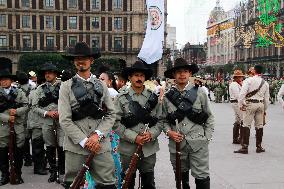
(256, 90)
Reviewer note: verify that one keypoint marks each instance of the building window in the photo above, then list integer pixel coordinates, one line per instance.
(26, 42)
(25, 21)
(2, 20)
(49, 3)
(96, 4)
(117, 23)
(3, 2)
(72, 3)
(25, 3)
(96, 22)
(49, 21)
(3, 41)
(72, 22)
(96, 43)
(117, 43)
(117, 4)
(72, 41)
(49, 42)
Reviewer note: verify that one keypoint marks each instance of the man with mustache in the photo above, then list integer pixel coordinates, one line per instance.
(190, 122)
(136, 107)
(86, 114)
(45, 104)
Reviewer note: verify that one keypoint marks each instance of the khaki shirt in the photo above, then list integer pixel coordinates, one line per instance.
(34, 119)
(20, 113)
(78, 131)
(234, 90)
(281, 95)
(195, 135)
(127, 136)
(250, 84)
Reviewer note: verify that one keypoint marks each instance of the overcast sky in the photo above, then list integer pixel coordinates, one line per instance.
(198, 12)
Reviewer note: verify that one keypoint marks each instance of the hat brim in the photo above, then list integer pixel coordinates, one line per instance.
(41, 72)
(169, 73)
(12, 77)
(128, 71)
(238, 76)
(73, 56)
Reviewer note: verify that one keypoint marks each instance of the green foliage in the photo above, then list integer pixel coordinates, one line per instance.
(263, 42)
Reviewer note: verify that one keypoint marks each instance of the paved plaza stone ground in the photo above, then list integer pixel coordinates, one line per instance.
(228, 170)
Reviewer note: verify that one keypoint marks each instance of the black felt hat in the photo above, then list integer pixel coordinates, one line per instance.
(82, 49)
(138, 66)
(49, 67)
(7, 74)
(181, 63)
(22, 77)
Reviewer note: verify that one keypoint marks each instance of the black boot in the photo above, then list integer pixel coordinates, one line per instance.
(148, 180)
(259, 135)
(19, 164)
(27, 153)
(4, 166)
(203, 183)
(236, 133)
(185, 180)
(39, 156)
(66, 185)
(61, 160)
(245, 141)
(51, 157)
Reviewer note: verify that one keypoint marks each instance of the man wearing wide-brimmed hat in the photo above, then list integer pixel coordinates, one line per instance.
(190, 122)
(45, 105)
(234, 91)
(13, 108)
(136, 107)
(86, 114)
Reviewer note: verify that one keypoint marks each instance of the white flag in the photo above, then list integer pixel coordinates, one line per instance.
(152, 48)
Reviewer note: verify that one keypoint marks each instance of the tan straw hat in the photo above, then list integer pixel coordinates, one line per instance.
(238, 73)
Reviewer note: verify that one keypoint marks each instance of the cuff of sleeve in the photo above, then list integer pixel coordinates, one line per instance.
(83, 142)
(44, 114)
(130, 135)
(100, 134)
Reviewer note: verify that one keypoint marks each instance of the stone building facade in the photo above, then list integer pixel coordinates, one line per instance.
(194, 53)
(116, 27)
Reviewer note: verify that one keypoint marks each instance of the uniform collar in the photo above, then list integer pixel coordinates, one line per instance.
(7, 91)
(91, 77)
(186, 88)
(132, 92)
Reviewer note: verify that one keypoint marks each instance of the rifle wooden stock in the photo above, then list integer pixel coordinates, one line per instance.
(80, 178)
(12, 144)
(178, 166)
(132, 167)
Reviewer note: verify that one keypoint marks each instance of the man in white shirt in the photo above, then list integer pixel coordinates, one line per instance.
(234, 90)
(280, 96)
(254, 99)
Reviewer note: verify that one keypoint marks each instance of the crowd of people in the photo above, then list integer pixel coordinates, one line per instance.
(110, 115)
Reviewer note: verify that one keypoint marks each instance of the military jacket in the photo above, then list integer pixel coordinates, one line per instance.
(127, 136)
(41, 111)
(34, 119)
(195, 135)
(77, 131)
(20, 113)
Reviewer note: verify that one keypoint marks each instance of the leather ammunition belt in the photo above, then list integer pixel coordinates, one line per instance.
(254, 101)
(234, 101)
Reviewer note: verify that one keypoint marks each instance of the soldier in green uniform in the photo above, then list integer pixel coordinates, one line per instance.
(86, 114)
(13, 108)
(136, 107)
(189, 106)
(34, 124)
(45, 104)
(23, 81)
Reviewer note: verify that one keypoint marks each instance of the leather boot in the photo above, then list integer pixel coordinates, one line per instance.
(27, 153)
(132, 182)
(19, 164)
(185, 180)
(236, 133)
(61, 160)
(203, 183)
(51, 157)
(148, 180)
(4, 166)
(66, 185)
(39, 156)
(259, 135)
(245, 143)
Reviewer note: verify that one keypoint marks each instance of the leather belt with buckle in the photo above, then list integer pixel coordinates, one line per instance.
(234, 101)
(254, 101)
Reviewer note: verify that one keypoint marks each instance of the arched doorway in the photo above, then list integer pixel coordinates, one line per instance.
(5, 63)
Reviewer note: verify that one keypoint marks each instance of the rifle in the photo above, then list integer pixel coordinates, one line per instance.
(79, 179)
(132, 166)
(12, 143)
(56, 147)
(178, 166)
